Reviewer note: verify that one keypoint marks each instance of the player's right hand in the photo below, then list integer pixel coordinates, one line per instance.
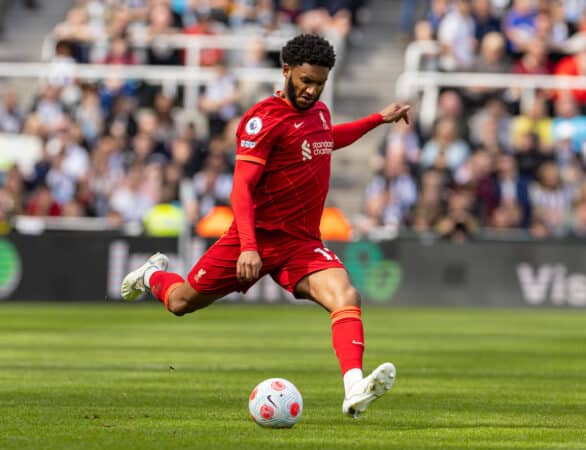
(248, 266)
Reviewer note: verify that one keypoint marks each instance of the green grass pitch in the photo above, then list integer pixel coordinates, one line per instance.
(131, 376)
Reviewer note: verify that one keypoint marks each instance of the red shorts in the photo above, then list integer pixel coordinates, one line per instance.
(286, 258)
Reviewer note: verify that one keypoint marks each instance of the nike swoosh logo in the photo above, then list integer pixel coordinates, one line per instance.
(358, 343)
(271, 400)
(297, 125)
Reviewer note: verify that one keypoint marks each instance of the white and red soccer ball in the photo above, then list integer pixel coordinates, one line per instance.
(275, 403)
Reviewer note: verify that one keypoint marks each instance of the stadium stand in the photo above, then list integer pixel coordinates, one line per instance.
(100, 143)
(498, 144)
(496, 147)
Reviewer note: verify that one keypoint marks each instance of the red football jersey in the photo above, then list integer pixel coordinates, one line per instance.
(295, 147)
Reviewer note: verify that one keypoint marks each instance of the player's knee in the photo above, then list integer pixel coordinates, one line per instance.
(176, 308)
(180, 306)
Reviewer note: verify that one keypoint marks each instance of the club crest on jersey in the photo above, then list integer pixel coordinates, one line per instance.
(253, 126)
(324, 121)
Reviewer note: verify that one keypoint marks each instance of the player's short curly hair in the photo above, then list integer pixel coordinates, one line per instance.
(308, 48)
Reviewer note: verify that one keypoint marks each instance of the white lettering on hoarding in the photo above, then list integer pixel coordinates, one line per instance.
(551, 283)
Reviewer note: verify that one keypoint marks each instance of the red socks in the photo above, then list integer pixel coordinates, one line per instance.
(163, 283)
(348, 337)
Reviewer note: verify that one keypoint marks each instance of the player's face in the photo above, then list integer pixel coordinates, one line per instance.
(304, 84)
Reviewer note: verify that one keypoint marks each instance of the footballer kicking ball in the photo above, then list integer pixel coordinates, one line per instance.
(275, 403)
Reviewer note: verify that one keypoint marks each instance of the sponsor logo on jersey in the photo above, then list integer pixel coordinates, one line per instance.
(297, 124)
(322, 147)
(309, 150)
(254, 125)
(247, 144)
(306, 150)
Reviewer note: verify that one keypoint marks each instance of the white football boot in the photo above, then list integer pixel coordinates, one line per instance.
(133, 285)
(367, 390)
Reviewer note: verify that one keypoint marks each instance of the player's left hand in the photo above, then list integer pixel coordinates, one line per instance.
(395, 112)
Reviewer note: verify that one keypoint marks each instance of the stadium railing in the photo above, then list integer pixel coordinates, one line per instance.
(426, 86)
(416, 50)
(193, 45)
(169, 77)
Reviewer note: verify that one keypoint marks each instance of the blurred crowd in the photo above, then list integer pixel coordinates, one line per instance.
(494, 161)
(117, 148)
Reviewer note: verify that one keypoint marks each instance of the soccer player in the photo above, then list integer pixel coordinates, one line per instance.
(281, 179)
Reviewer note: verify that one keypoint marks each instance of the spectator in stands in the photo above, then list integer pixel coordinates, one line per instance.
(119, 22)
(189, 159)
(512, 188)
(48, 108)
(490, 126)
(527, 151)
(491, 59)
(428, 207)
(505, 218)
(120, 120)
(458, 224)
(574, 65)
(67, 142)
(212, 187)
(402, 139)
(245, 13)
(438, 9)
(519, 25)
(251, 91)
(163, 112)
(485, 21)
(161, 24)
(389, 196)
(451, 106)
(456, 36)
(11, 116)
(534, 60)
(12, 193)
(423, 34)
(120, 52)
(220, 99)
(476, 176)
(42, 204)
(89, 116)
(568, 122)
(534, 119)
(407, 16)
(149, 125)
(551, 27)
(205, 26)
(287, 11)
(104, 175)
(446, 150)
(133, 198)
(578, 220)
(172, 176)
(142, 149)
(76, 30)
(59, 181)
(332, 19)
(551, 199)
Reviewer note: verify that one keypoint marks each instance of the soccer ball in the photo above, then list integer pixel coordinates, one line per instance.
(275, 403)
